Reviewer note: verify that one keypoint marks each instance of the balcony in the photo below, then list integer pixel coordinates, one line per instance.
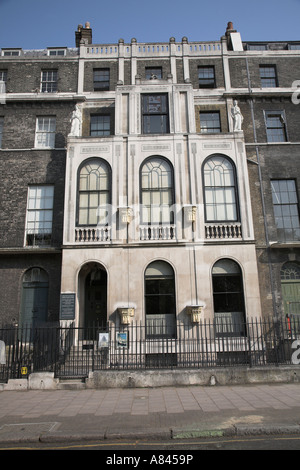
(93, 234)
(215, 231)
(157, 232)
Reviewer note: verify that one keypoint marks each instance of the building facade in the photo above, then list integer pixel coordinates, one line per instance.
(149, 182)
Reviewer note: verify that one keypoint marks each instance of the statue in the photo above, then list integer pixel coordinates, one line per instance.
(76, 120)
(237, 117)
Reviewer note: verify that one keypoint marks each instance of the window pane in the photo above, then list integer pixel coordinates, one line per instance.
(206, 76)
(155, 114)
(210, 122)
(268, 76)
(94, 193)
(286, 211)
(220, 192)
(275, 127)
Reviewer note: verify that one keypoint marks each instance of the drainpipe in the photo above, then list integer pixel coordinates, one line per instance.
(261, 191)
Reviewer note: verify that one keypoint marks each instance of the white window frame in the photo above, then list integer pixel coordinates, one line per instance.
(11, 52)
(45, 132)
(49, 79)
(39, 215)
(59, 52)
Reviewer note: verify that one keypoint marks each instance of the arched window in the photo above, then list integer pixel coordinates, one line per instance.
(220, 190)
(160, 305)
(94, 196)
(228, 295)
(157, 192)
(34, 303)
(290, 289)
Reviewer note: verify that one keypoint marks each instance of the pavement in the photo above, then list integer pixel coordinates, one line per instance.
(148, 413)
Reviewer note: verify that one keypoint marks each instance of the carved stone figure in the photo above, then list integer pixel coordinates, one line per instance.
(237, 117)
(76, 121)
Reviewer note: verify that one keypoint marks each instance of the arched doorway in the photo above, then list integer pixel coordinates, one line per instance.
(92, 295)
(34, 302)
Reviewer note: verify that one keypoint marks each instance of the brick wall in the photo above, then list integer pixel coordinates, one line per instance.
(12, 269)
(25, 77)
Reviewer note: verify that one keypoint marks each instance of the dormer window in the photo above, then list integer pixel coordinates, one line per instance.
(56, 52)
(11, 52)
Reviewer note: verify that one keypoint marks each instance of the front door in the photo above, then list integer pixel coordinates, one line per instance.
(34, 298)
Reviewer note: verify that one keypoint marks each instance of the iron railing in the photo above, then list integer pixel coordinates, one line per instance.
(74, 352)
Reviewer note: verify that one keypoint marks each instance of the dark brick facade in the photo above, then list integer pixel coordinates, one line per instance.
(22, 165)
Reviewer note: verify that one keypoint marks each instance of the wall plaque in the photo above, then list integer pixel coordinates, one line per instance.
(67, 306)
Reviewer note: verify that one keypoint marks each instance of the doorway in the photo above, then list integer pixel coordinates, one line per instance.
(34, 303)
(92, 291)
(95, 311)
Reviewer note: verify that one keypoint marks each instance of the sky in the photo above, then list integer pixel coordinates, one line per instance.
(37, 24)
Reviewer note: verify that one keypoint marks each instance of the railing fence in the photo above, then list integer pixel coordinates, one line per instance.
(74, 352)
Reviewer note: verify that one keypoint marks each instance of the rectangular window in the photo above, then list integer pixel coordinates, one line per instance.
(276, 128)
(257, 47)
(3, 76)
(45, 132)
(268, 76)
(101, 79)
(11, 52)
(57, 52)
(153, 73)
(1, 130)
(286, 209)
(294, 47)
(210, 122)
(39, 215)
(100, 125)
(155, 114)
(206, 76)
(49, 81)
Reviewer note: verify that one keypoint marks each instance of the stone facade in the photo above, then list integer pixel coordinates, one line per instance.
(174, 122)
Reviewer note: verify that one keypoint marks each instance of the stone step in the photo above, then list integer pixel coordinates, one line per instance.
(72, 384)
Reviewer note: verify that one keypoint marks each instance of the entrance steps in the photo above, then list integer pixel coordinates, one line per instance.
(74, 383)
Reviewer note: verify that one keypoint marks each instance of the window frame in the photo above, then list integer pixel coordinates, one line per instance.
(210, 79)
(223, 188)
(163, 291)
(49, 81)
(100, 132)
(90, 192)
(105, 82)
(147, 127)
(49, 135)
(152, 191)
(211, 129)
(233, 292)
(271, 136)
(39, 234)
(58, 52)
(11, 52)
(3, 75)
(284, 207)
(148, 74)
(271, 80)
